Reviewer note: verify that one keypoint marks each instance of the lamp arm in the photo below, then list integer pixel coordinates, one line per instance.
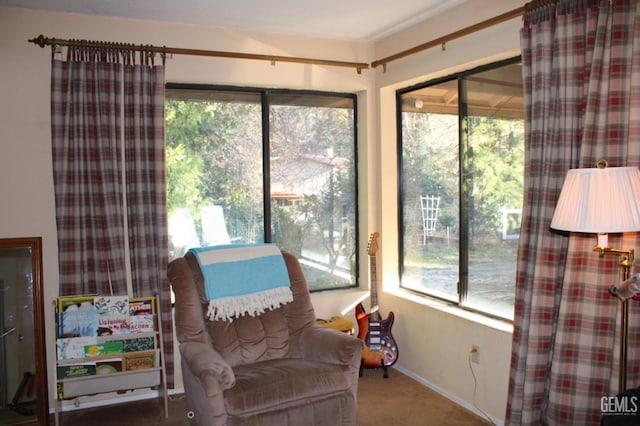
(626, 257)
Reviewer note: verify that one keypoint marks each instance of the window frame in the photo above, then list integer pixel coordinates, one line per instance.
(463, 187)
(265, 94)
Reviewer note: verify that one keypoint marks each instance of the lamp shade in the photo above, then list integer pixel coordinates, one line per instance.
(599, 200)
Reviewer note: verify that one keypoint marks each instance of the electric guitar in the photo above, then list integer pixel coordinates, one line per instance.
(380, 348)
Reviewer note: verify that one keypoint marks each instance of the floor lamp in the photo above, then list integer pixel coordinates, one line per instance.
(604, 200)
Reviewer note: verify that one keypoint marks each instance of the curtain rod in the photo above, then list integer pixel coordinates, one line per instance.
(43, 41)
(452, 36)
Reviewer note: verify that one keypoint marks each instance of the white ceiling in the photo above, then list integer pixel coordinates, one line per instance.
(354, 20)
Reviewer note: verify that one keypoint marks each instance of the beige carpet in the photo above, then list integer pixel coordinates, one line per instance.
(402, 401)
(396, 401)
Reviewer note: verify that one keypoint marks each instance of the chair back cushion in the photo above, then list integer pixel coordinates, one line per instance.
(246, 339)
(249, 339)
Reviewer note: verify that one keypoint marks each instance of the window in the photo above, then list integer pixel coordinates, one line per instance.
(461, 159)
(250, 165)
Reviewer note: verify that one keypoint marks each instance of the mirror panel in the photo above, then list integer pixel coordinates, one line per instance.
(23, 375)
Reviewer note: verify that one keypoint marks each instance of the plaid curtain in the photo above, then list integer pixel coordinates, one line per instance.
(147, 190)
(581, 69)
(86, 150)
(100, 98)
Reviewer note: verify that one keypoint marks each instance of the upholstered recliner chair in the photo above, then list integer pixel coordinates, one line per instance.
(277, 368)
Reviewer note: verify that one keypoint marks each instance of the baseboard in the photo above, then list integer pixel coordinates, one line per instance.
(461, 402)
(114, 400)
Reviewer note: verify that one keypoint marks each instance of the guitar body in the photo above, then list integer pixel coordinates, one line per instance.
(380, 348)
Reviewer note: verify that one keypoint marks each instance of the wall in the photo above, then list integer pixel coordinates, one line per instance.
(433, 341)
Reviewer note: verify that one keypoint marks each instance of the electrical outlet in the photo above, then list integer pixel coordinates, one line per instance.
(475, 354)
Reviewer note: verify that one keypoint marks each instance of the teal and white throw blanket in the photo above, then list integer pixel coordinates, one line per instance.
(243, 279)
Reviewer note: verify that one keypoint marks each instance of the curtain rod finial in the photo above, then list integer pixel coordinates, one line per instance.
(41, 40)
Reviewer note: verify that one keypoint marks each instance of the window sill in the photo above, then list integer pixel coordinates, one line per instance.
(449, 308)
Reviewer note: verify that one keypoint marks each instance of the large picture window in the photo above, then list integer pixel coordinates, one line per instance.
(461, 154)
(251, 165)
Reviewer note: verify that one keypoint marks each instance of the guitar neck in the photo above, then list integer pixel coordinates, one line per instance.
(374, 285)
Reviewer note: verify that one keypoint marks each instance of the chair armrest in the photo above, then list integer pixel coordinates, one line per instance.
(331, 346)
(205, 363)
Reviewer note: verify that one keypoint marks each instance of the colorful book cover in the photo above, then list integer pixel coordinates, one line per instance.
(109, 324)
(139, 344)
(118, 305)
(141, 306)
(139, 360)
(106, 348)
(70, 348)
(141, 323)
(109, 366)
(78, 323)
(76, 370)
(71, 304)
